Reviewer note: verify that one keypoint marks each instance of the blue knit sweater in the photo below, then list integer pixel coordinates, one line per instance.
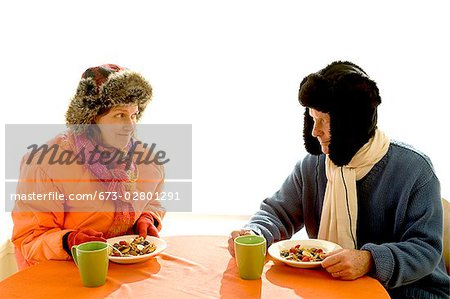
(399, 218)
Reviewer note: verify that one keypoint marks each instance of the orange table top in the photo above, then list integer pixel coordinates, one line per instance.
(190, 267)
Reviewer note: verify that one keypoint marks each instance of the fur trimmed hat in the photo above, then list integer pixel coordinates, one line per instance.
(103, 87)
(346, 92)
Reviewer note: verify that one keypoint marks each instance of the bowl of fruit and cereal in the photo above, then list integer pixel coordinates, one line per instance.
(302, 253)
(130, 249)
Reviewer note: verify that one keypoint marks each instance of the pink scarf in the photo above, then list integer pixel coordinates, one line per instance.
(115, 178)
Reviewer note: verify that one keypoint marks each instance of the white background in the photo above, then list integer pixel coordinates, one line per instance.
(232, 70)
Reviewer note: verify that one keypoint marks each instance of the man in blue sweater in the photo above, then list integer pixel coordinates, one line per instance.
(379, 199)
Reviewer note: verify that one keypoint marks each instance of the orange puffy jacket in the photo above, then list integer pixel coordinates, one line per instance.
(37, 234)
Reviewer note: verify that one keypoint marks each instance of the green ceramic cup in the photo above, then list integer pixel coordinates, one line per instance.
(92, 261)
(250, 252)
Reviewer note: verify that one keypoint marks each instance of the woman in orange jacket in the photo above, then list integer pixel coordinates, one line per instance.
(90, 174)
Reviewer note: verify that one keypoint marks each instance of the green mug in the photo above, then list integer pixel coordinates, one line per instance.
(250, 252)
(92, 260)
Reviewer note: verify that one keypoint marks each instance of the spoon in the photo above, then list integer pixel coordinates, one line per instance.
(121, 254)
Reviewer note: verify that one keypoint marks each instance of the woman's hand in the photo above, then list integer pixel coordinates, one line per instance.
(82, 236)
(348, 264)
(234, 234)
(145, 225)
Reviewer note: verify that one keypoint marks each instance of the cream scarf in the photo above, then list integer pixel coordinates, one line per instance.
(340, 206)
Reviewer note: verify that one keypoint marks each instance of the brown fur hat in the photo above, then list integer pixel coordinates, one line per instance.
(345, 91)
(102, 88)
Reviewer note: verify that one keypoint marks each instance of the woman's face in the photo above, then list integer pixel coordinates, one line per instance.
(117, 126)
(321, 129)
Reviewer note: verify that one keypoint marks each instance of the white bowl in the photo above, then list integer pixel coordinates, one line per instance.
(276, 248)
(159, 243)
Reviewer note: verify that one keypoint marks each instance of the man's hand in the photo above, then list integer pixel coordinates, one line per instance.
(234, 234)
(348, 264)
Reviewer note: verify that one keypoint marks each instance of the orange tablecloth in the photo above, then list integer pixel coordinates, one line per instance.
(190, 267)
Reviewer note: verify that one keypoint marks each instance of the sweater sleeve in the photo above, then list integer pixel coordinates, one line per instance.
(281, 215)
(418, 225)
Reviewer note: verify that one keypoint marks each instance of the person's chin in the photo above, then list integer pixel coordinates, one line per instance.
(122, 142)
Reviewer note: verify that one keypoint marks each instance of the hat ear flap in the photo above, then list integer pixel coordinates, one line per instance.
(354, 118)
(312, 145)
(342, 147)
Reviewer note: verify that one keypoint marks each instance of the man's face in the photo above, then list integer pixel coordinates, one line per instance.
(321, 129)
